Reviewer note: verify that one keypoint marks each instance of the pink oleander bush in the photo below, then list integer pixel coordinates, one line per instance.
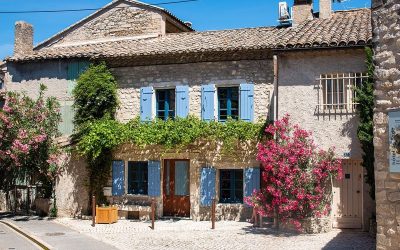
(297, 175)
(28, 152)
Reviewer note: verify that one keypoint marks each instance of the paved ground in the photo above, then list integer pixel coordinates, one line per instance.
(10, 239)
(56, 235)
(187, 234)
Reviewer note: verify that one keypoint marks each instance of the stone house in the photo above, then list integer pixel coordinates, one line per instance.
(386, 40)
(164, 69)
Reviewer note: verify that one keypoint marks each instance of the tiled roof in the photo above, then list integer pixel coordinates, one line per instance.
(343, 29)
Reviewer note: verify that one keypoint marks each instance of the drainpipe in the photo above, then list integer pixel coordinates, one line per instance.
(275, 97)
(276, 117)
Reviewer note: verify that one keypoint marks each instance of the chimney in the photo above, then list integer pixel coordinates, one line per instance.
(302, 11)
(325, 9)
(23, 43)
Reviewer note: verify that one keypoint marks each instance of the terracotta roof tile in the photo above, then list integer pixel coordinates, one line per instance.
(344, 28)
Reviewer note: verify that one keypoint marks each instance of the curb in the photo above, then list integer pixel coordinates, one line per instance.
(41, 244)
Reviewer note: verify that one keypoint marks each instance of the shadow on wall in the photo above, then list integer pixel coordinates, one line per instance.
(349, 129)
(72, 187)
(351, 239)
(37, 71)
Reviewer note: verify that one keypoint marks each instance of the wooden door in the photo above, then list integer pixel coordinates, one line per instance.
(176, 196)
(347, 196)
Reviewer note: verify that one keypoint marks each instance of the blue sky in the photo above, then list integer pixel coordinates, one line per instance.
(204, 14)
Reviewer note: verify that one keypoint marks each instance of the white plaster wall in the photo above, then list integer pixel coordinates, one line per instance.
(298, 96)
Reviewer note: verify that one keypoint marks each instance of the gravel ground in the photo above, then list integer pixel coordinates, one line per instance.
(186, 234)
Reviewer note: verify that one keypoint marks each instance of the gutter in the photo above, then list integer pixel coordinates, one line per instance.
(276, 85)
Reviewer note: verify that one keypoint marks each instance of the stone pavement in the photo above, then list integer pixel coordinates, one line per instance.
(55, 235)
(186, 234)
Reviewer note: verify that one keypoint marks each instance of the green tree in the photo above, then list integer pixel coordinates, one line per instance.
(28, 152)
(365, 133)
(95, 98)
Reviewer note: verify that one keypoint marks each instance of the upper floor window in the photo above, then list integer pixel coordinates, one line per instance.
(165, 99)
(231, 186)
(338, 91)
(228, 103)
(137, 178)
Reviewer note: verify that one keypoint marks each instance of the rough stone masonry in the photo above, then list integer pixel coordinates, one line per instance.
(386, 23)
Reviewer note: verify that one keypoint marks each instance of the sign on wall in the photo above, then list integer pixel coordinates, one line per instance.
(394, 141)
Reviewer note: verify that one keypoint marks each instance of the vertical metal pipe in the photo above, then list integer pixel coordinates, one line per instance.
(213, 214)
(93, 211)
(153, 212)
(276, 81)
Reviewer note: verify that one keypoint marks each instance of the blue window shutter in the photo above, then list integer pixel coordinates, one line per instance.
(207, 186)
(154, 178)
(247, 102)
(118, 178)
(146, 104)
(182, 101)
(207, 102)
(251, 181)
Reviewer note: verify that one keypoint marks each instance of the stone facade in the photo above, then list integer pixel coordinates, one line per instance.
(122, 21)
(386, 22)
(130, 79)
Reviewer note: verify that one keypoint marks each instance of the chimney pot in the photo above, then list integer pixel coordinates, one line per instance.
(23, 43)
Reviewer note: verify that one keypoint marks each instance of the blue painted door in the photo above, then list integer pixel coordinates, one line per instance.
(207, 186)
(118, 178)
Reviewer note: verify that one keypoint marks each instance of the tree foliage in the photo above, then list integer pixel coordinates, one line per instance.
(95, 98)
(365, 133)
(297, 175)
(95, 95)
(28, 151)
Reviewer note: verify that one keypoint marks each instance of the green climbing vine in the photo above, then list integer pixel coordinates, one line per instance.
(95, 98)
(365, 98)
(176, 133)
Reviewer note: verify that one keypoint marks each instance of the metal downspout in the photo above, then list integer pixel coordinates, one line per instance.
(276, 84)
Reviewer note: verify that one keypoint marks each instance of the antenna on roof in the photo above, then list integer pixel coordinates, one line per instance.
(284, 14)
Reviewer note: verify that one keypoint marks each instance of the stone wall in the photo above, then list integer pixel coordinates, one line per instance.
(386, 23)
(200, 155)
(130, 79)
(124, 20)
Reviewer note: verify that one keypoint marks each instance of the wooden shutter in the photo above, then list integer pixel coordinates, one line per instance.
(251, 181)
(154, 178)
(146, 103)
(66, 126)
(207, 186)
(207, 102)
(118, 178)
(73, 72)
(247, 102)
(182, 101)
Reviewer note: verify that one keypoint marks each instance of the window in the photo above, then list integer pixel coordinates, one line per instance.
(231, 186)
(228, 103)
(165, 103)
(137, 178)
(338, 91)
